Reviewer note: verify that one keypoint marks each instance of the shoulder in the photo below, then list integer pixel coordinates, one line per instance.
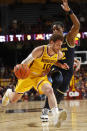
(38, 51)
(39, 48)
(60, 55)
(68, 42)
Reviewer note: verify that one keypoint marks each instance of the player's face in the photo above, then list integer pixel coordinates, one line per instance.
(58, 29)
(56, 46)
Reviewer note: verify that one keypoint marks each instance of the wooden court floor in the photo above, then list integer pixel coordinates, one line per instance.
(25, 116)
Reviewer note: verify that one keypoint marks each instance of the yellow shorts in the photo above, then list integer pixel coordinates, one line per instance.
(25, 85)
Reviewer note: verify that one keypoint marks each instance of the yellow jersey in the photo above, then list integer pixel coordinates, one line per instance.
(40, 65)
(38, 73)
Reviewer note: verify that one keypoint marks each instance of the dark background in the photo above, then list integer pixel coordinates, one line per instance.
(35, 16)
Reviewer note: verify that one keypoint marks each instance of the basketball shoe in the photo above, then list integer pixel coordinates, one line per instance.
(58, 118)
(44, 115)
(62, 115)
(5, 99)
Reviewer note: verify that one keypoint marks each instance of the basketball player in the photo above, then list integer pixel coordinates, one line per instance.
(39, 61)
(68, 57)
(76, 65)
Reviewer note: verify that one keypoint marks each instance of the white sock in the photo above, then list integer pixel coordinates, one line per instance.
(55, 115)
(54, 110)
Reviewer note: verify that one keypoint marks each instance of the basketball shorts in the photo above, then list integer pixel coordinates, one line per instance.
(25, 85)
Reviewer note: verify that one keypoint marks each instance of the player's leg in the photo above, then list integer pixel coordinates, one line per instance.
(59, 92)
(10, 96)
(46, 104)
(57, 80)
(46, 109)
(46, 89)
(21, 87)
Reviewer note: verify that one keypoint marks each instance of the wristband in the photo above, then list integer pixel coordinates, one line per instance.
(70, 12)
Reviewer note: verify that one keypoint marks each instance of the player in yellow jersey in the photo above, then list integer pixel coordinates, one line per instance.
(40, 61)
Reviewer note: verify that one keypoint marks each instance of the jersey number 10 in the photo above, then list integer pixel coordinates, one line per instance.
(46, 66)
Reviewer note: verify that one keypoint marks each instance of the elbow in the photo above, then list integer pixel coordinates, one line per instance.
(78, 24)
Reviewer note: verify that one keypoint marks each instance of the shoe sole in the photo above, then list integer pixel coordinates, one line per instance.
(44, 119)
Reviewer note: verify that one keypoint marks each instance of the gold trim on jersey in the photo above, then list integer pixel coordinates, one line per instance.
(42, 53)
(64, 49)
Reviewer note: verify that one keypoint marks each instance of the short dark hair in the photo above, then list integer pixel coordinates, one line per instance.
(56, 37)
(58, 23)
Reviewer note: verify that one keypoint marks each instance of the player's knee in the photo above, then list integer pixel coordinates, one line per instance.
(49, 91)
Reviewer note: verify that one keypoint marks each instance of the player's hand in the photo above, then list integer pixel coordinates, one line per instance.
(65, 5)
(76, 65)
(64, 66)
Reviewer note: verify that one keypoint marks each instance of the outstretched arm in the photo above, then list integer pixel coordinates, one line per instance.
(63, 66)
(76, 24)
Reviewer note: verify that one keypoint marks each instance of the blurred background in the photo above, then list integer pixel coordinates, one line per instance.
(25, 24)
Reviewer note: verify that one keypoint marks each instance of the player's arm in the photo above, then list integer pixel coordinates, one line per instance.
(63, 66)
(76, 24)
(77, 64)
(36, 53)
